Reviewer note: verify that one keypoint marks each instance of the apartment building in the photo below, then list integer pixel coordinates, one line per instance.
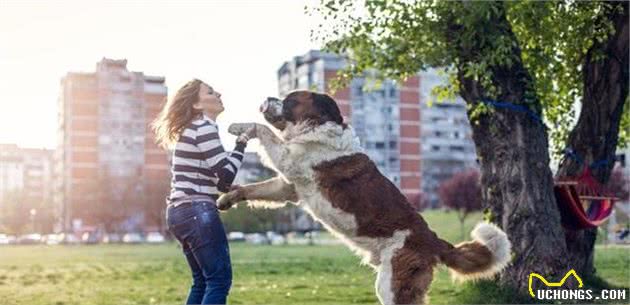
(104, 138)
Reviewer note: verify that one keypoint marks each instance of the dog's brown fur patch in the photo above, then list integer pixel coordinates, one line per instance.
(304, 109)
(314, 108)
(354, 184)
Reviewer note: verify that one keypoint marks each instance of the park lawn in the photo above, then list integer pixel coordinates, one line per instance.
(157, 274)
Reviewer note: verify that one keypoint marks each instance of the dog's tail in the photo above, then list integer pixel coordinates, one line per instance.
(484, 256)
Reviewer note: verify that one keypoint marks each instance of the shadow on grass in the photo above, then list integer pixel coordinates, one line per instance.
(597, 284)
(488, 292)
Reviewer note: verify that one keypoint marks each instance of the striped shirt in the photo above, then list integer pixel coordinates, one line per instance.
(200, 165)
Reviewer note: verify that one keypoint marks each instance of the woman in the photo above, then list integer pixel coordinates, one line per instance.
(201, 168)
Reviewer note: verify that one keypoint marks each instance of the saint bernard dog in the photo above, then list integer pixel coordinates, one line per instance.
(321, 168)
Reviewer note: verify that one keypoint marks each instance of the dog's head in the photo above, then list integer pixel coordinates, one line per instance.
(301, 107)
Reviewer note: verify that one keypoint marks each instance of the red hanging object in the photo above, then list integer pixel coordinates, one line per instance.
(571, 195)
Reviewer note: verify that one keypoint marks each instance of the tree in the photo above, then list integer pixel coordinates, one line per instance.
(249, 220)
(21, 213)
(154, 202)
(603, 71)
(44, 219)
(14, 212)
(111, 206)
(419, 202)
(519, 66)
(462, 193)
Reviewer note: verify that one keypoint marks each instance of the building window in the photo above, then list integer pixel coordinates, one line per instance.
(435, 148)
(303, 81)
(457, 148)
(313, 77)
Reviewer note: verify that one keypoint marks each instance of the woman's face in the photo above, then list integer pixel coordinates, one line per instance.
(209, 100)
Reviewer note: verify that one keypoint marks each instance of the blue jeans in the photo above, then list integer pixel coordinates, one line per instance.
(199, 230)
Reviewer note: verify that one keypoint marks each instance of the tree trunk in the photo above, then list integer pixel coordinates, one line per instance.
(596, 133)
(517, 184)
(462, 218)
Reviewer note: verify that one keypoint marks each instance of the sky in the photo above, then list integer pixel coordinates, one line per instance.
(235, 46)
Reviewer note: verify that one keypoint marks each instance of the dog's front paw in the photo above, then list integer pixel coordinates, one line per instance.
(239, 128)
(227, 200)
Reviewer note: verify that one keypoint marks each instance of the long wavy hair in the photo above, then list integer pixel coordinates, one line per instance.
(177, 114)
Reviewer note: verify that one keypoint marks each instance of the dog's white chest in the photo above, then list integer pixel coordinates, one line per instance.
(334, 219)
(298, 169)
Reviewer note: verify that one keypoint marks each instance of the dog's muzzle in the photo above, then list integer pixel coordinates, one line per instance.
(271, 109)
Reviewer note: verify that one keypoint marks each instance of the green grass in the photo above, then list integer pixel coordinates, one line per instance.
(118, 274)
(147, 274)
(447, 226)
(613, 265)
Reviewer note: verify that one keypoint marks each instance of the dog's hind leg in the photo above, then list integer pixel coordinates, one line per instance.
(383, 285)
(384, 278)
(411, 277)
(409, 286)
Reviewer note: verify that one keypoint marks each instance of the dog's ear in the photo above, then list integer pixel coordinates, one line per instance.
(327, 108)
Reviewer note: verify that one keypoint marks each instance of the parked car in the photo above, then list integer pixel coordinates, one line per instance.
(69, 239)
(236, 236)
(4, 239)
(275, 238)
(155, 237)
(111, 238)
(89, 238)
(30, 239)
(52, 239)
(132, 238)
(256, 239)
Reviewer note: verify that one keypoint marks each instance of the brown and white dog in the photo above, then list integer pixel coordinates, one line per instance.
(321, 169)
